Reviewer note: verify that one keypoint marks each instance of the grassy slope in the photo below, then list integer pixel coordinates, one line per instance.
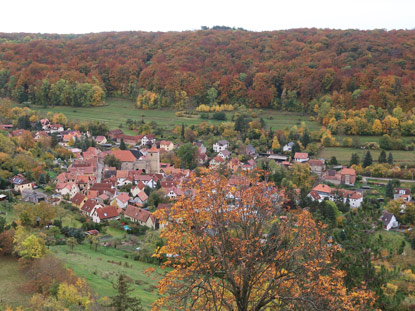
(343, 155)
(117, 111)
(10, 281)
(94, 266)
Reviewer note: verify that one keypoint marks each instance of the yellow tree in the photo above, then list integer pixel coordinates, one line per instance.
(275, 143)
(233, 248)
(377, 127)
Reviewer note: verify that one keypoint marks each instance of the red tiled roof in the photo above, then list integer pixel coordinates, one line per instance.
(322, 188)
(107, 212)
(143, 196)
(124, 155)
(348, 171)
(89, 206)
(123, 197)
(300, 155)
(315, 195)
(137, 213)
(78, 198)
(314, 162)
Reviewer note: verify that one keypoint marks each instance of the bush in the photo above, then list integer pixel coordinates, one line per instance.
(219, 116)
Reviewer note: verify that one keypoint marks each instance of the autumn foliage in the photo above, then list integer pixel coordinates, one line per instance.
(284, 69)
(231, 247)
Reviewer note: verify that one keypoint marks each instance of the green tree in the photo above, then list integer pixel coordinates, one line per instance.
(333, 161)
(367, 160)
(390, 158)
(182, 131)
(112, 161)
(122, 144)
(305, 139)
(71, 242)
(188, 156)
(389, 190)
(361, 246)
(123, 301)
(382, 157)
(355, 160)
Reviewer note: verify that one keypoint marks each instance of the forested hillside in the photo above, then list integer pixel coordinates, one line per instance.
(281, 69)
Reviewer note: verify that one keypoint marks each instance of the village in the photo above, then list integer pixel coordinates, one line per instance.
(101, 191)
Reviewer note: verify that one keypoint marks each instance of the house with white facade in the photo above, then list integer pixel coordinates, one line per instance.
(220, 145)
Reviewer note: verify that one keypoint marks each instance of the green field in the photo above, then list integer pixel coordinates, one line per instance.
(117, 111)
(11, 279)
(343, 155)
(100, 272)
(9, 214)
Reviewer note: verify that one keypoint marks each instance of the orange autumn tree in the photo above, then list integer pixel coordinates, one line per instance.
(231, 247)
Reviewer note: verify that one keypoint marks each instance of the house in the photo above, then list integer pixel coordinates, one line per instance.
(101, 140)
(135, 190)
(288, 147)
(301, 157)
(79, 200)
(115, 134)
(401, 193)
(173, 193)
(348, 176)
(250, 151)
(220, 145)
(147, 180)
(40, 135)
(69, 189)
(216, 161)
(122, 200)
(278, 158)
(234, 164)
(108, 212)
(321, 192)
(166, 145)
(20, 183)
(130, 140)
(140, 216)
(250, 165)
(142, 197)
(33, 196)
(317, 166)
(224, 154)
(201, 147)
(389, 221)
(89, 206)
(56, 128)
(148, 139)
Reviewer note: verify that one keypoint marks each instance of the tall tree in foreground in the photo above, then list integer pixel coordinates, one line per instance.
(233, 248)
(123, 301)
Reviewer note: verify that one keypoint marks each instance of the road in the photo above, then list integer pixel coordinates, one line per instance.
(365, 178)
(100, 167)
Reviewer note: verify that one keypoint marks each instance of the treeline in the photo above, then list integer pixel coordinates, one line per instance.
(365, 121)
(280, 69)
(61, 93)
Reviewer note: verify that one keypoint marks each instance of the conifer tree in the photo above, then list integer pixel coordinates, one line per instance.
(367, 161)
(389, 190)
(382, 157)
(123, 301)
(355, 160)
(122, 144)
(390, 158)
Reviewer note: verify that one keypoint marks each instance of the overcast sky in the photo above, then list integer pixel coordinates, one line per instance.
(84, 16)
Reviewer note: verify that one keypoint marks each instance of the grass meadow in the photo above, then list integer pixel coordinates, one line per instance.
(343, 155)
(117, 111)
(100, 268)
(11, 280)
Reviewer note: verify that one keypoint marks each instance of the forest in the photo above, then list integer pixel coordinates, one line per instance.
(290, 70)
